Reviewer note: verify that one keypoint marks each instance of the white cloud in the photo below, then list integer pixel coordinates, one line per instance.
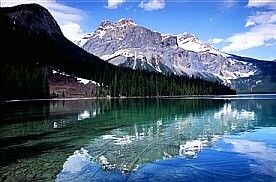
(261, 18)
(216, 40)
(226, 4)
(66, 16)
(262, 30)
(271, 44)
(113, 4)
(152, 5)
(72, 31)
(257, 36)
(229, 3)
(262, 3)
(249, 23)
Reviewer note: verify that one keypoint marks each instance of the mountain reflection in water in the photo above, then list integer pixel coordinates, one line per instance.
(174, 134)
(133, 139)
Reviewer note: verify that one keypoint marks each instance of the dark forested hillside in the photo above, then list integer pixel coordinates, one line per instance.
(21, 81)
(31, 41)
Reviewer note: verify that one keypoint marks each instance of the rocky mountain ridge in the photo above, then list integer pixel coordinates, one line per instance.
(126, 44)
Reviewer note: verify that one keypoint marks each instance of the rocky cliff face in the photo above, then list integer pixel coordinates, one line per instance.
(33, 17)
(126, 44)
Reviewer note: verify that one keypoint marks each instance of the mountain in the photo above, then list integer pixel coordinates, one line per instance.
(33, 48)
(31, 45)
(30, 35)
(126, 44)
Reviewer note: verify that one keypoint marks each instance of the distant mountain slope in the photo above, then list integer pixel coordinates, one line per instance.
(31, 38)
(126, 44)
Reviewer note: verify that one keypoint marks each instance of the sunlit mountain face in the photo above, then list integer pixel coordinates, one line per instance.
(125, 43)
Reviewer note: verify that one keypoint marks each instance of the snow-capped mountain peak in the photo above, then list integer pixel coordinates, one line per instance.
(124, 43)
(107, 26)
(190, 42)
(120, 23)
(126, 21)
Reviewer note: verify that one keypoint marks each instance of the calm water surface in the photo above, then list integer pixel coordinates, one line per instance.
(226, 138)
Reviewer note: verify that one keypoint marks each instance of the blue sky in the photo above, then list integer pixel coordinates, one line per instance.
(244, 27)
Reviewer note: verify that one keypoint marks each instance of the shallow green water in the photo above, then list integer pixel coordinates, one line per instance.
(214, 138)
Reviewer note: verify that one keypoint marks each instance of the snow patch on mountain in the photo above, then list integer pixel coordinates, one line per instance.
(101, 33)
(125, 21)
(83, 40)
(124, 52)
(84, 81)
(190, 42)
(81, 80)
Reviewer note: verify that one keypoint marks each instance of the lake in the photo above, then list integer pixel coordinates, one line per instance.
(224, 138)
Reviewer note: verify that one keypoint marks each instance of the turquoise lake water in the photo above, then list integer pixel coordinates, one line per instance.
(225, 138)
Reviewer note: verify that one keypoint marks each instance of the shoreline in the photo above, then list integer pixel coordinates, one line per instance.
(137, 97)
